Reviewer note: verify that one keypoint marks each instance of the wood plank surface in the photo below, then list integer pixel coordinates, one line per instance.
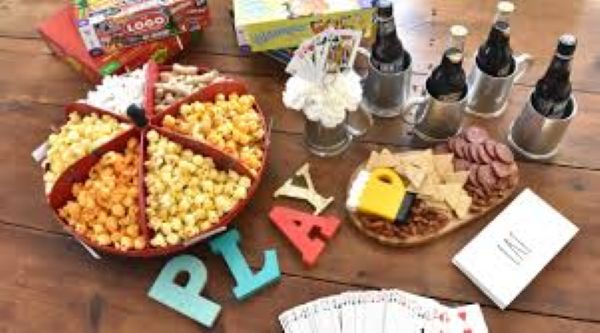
(422, 26)
(55, 286)
(49, 81)
(572, 191)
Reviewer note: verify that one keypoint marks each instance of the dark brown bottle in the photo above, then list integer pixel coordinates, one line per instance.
(447, 82)
(495, 55)
(553, 91)
(388, 54)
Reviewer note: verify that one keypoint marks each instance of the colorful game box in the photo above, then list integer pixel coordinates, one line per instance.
(108, 25)
(265, 25)
(62, 38)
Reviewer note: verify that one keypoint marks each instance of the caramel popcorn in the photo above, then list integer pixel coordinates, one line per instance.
(76, 139)
(186, 193)
(106, 207)
(232, 125)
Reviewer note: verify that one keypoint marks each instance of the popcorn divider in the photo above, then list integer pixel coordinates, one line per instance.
(79, 171)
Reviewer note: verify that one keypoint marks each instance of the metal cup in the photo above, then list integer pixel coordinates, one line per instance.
(326, 142)
(488, 95)
(435, 120)
(537, 137)
(385, 94)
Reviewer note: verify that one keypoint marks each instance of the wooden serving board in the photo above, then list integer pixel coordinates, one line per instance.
(452, 225)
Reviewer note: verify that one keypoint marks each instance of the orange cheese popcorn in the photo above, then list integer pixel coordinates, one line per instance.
(105, 209)
(231, 125)
(186, 193)
(76, 139)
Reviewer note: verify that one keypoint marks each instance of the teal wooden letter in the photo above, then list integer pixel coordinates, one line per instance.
(186, 300)
(247, 283)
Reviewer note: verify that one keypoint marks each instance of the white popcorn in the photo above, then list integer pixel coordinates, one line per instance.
(327, 102)
(117, 92)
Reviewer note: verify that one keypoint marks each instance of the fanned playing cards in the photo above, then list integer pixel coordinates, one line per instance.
(331, 51)
(385, 311)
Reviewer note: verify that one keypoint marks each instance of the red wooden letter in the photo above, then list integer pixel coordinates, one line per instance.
(307, 232)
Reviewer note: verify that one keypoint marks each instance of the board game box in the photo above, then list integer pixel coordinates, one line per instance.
(108, 25)
(263, 25)
(61, 36)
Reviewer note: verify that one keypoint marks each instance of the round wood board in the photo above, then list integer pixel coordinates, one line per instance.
(452, 225)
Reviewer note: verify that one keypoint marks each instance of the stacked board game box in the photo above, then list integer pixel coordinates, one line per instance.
(62, 37)
(263, 25)
(109, 25)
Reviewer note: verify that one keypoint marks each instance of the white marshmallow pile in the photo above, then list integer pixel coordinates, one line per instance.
(327, 102)
(117, 92)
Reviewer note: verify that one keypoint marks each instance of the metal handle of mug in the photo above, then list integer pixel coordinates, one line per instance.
(354, 131)
(411, 107)
(523, 62)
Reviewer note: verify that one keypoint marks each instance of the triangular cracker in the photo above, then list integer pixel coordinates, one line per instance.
(443, 164)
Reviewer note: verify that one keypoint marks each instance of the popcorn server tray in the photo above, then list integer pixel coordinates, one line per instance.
(79, 171)
(453, 224)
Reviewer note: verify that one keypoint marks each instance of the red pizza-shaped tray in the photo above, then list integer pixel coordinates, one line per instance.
(78, 172)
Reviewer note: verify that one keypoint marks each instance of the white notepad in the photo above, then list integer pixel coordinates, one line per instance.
(509, 252)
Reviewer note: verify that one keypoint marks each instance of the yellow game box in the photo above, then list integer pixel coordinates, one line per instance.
(265, 25)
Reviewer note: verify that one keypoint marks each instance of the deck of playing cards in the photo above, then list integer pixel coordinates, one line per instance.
(386, 311)
(330, 52)
(512, 250)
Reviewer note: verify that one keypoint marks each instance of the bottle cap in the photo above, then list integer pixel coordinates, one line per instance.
(137, 115)
(459, 31)
(505, 7)
(458, 35)
(384, 8)
(566, 45)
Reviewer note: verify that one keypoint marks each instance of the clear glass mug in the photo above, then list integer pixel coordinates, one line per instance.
(326, 141)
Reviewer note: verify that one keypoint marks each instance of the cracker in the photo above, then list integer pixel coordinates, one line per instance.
(443, 164)
(383, 159)
(459, 177)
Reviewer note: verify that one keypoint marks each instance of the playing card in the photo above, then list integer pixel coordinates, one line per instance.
(343, 45)
(386, 311)
(466, 319)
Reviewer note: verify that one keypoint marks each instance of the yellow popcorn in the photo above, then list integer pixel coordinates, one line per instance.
(231, 125)
(76, 139)
(193, 194)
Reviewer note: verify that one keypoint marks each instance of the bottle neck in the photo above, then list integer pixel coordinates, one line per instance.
(453, 58)
(560, 67)
(499, 34)
(385, 26)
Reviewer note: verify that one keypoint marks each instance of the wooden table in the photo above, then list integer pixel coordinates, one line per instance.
(49, 283)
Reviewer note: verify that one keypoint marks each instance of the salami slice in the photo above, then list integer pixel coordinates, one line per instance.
(486, 177)
(504, 154)
(473, 175)
(501, 170)
(452, 144)
(475, 191)
(503, 184)
(484, 157)
(476, 134)
(490, 147)
(474, 153)
(460, 145)
(441, 148)
(461, 165)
